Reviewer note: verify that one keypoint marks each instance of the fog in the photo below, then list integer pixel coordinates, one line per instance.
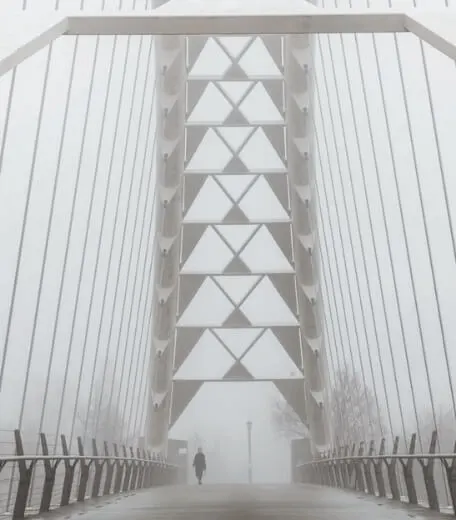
(60, 373)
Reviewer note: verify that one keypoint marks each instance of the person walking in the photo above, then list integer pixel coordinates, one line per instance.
(199, 463)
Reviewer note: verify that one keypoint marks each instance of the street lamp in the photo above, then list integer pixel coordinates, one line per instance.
(249, 441)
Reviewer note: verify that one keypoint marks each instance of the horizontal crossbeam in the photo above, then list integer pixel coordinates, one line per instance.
(436, 28)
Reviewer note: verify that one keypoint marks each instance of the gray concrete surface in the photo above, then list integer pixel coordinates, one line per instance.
(243, 502)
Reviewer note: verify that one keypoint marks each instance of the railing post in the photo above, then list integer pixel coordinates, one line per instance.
(351, 468)
(134, 473)
(392, 475)
(126, 483)
(368, 470)
(337, 468)
(98, 470)
(147, 470)
(428, 473)
(151, 471)
(359, 469)
(342, 468)
(450, 468)
(378, 470)
(109, 471)
(140, 481)
(25, 478)
(84, 477)
(119, 471)
(69, 474)
(407, 467)
(324, 465)
(49, 479)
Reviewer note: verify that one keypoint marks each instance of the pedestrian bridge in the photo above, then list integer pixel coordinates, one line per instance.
(231, 225)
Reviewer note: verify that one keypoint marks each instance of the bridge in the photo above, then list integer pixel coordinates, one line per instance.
(227, 225)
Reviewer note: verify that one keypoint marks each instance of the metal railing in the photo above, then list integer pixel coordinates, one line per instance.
(379, 474)
(46, 482)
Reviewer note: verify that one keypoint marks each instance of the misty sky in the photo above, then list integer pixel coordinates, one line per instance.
(220, 410)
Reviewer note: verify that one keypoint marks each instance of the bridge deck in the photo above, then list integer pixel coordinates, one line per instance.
(246, 502)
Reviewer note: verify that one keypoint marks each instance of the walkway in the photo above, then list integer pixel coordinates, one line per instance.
(247, 502)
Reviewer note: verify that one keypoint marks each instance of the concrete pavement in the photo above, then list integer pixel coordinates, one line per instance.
(243, 502)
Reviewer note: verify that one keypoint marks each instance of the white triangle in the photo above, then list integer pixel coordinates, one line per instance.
(236, 235)
(259, 154)
(261, 203)
(255, 259)
(235, 185)
(236, 136)
(212, 62)
(235, 90)
(212, 107)
(258, 106)
(210, 205)
(238, 340)
(209, 307)
(211, 155)
(268, 359)
(236, 287)
(274, 312)
(257, 62)
(207, 360)
(210, 255)
(234, 45)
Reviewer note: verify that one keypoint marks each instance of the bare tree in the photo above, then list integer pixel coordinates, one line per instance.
(102, 419)
(287, 422)
(353, 412)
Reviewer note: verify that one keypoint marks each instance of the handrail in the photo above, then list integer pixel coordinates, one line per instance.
(370, 472)
(18, 458)
(81, 476)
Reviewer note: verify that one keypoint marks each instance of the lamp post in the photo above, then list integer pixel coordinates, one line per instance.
(249, 441)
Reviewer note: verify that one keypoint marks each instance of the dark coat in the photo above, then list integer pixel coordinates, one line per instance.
(199, 462)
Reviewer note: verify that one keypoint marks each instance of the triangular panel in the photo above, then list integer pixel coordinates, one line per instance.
(212, 61)
(238, 340)
(236, 185)
(257, 62)
(294, 394)
(186, 339)
(235, 136)
(258, 106)
(267, 359)
(236, 287)
(189, 285)
(238, 371)
(290, 340)
(192, 186)
(237, 235)
(236, 319)
(236, 266)
(211, 155)
(259, 155)
(274, 312)
(211, 108)
(234, 45)
(253, 254)
(209, 307)
(235, 90)
(210, 255)
(261, 204)
(183, 393)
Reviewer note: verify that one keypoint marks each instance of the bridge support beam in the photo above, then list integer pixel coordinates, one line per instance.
(171, 77)
(301, 178)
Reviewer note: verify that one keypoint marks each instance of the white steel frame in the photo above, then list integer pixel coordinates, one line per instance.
(438, 28)
(225, 17)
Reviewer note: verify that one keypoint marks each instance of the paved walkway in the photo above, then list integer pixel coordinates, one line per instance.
(244, 502)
